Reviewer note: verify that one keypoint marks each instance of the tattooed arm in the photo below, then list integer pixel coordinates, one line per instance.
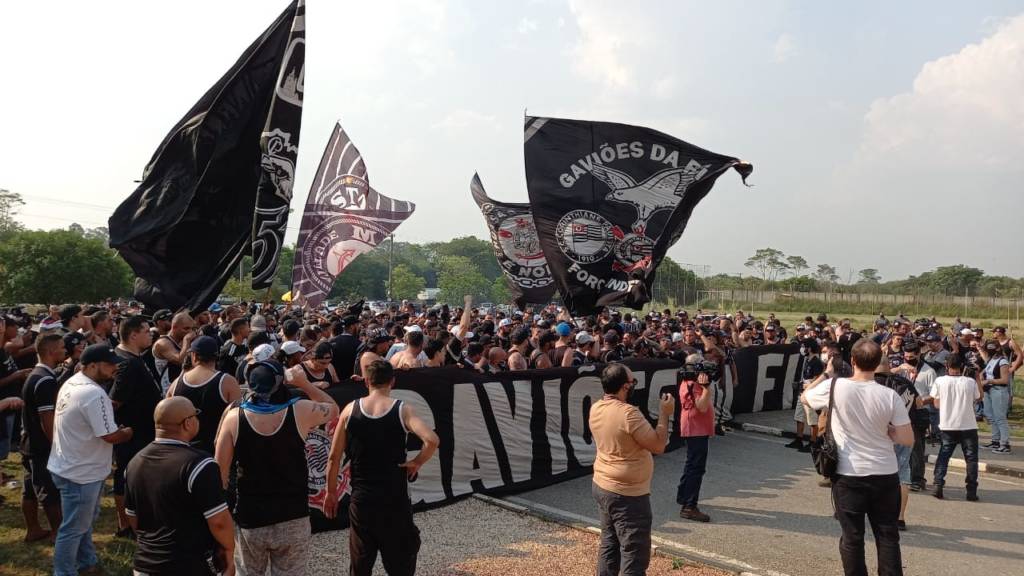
(318, 410)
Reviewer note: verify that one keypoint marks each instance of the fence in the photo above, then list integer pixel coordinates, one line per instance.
(769, 296)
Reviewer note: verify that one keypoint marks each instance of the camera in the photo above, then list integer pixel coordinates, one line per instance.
(690, 371)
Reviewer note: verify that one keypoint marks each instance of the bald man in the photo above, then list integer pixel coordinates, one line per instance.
(171, 350)
(174, 500)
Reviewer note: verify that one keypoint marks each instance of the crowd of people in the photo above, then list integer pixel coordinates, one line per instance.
(183, 409)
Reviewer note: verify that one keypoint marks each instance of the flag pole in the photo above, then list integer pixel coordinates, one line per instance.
(391, 254)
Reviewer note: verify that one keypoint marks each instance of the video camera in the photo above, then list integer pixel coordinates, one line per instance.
(691, 370)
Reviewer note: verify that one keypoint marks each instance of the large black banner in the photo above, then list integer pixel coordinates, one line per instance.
(187, 225)
(609, 200)
(516, 246)
(279, 144)
(521, 430)
(344, 218)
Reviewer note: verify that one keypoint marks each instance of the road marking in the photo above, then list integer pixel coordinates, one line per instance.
(592, 523)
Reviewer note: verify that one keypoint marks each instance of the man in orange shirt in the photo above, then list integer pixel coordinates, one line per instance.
(622, 472)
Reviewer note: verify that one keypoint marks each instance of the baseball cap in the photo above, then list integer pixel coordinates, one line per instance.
(967, 332)
(584, 338)
(205, 346)
(349, 321)
(216, 308)
(563, 329)
(379, 335)
(911, 346)
(677, 337)
(263, 352)
(99, 353)
(504, 322)
(162, 314)
(542, 323)
(932, 337)
(291, 347)
(413, 328)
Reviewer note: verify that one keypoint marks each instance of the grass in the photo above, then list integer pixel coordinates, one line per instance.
(20, 559)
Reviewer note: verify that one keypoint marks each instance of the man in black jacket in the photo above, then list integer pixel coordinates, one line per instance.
(345, 345)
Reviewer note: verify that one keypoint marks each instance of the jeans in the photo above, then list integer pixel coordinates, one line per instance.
(693, 471)
(968, 442)
(625, 533)
(878, 498)
(997, 403)
(918, 457)
(933, 420)
(80, 504)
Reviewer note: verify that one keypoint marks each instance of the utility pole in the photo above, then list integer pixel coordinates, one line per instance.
(391, 255)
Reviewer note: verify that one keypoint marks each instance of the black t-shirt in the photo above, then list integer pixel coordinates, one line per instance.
(139, 393)
(171, 490)
(7, 367)
(231, 355)
(813, 367)
(909, 394)
(40, 395)
(344, 348)
(846, 342)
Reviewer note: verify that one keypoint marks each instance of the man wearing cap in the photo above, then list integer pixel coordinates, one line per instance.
(234, 351)
(174, 499)
(410, 355)
(503, 337)
(39, 397)
(377, 344)
(916, 370)
(517, 353)
(208, 389)
(345, 342)
(563, 346)
(134, 395)
(84, 433)
(265, 436)
(584, 352)
(170, 351)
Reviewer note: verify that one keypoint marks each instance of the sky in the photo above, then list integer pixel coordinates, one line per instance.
(883, 135)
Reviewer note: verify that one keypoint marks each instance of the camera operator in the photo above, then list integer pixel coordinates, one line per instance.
(696, 426)
(714, 351)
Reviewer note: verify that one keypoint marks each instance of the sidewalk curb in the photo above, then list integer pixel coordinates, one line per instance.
(659, 546)
(987, 467)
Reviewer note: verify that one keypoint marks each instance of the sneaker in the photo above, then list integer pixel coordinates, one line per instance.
(825, 483)
(806, 449)
(719, 431)
(125, 532)
(916, 487)
(1004, 449)
(992, 444)
(972, 496)
(901, 525)
(797, 443)
(938, 492)
(693, 513)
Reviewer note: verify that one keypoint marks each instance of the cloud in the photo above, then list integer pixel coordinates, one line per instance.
(527, 26)
(463, 119)
(965, 111)
(784, 49)
(664, 88)
(598, 49)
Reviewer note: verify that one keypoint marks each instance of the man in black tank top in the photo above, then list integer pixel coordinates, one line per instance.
(265, 437)
(208, 389)
(373, 432)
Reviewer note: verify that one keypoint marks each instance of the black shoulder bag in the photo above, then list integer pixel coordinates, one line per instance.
(824, 450)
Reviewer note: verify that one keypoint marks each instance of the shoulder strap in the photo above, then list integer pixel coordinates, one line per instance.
(831, 400)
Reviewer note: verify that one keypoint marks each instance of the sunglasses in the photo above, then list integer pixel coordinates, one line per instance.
(187, 418)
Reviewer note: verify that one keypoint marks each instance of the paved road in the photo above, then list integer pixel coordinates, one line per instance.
(768, 511)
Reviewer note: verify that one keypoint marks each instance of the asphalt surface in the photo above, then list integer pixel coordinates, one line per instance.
(768, 512)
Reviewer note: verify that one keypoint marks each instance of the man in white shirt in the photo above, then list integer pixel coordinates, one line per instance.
(915, 369)
(867, 419)
(84, 433)
(954, 396)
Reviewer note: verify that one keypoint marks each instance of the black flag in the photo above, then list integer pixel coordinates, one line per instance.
(609, 200)
(344, 218)
(186, 227)
(516, 246)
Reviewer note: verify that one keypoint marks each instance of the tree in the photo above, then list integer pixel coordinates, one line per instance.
(405, 285)
(10, 202)
(45, 267)
(826, 274)
(480, 254)
(869, 276)
(954, 279)
(500, 291)
(100, 233)
(457, 277)
(796, 264)
(768, 263)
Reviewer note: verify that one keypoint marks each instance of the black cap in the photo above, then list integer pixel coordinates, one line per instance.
(911, 346)
(72, 339)
(932, 337)
(349, 321)
(205, 346)
(162, 314)
(99, 353)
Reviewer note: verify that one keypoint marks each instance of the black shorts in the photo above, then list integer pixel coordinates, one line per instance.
(123, 454)
(38, 484)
